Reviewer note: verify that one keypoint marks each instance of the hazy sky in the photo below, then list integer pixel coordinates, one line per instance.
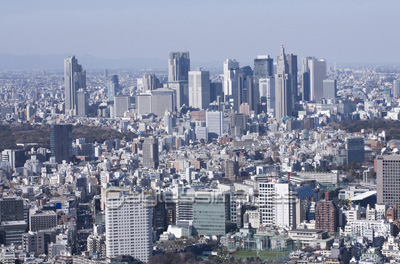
(338, 30)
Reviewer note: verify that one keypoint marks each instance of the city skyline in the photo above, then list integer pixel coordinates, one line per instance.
(335, 31)
(200, 132)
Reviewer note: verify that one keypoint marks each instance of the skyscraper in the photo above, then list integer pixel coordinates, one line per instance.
(231, 68)
(267, 93)
(277, 204)
(16, 157)
(329, 89)
(283, 88)
(122, 103)
(396, 88)
(215, 91)
(82, 102)
(150, 153)
(178, 66)
(178, 76)
(263, 68)
(156, 102)
(199, 89)
(61, 142)
(388, 179)
(163, 99)
(238, 124)
(355, 149)
(112, 88)
(128, 224)
(292, 63)
(150, 82)
(214, 123)
(306, 79)
(245, 88)
(212, 218)
(317, 76)
(75, 79)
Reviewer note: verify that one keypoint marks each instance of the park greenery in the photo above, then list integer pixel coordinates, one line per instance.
(14, 136)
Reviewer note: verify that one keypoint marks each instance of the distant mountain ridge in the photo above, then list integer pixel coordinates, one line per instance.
(56, 62)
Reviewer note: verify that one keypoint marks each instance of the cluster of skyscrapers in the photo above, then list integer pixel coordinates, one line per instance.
(269, 87)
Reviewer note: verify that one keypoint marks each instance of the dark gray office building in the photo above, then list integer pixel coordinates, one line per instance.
(263, 68)
(355, 149)
(11, 209)
(292, 63)
(61, 142)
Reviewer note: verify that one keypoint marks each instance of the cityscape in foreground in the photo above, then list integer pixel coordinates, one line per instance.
(287, 160)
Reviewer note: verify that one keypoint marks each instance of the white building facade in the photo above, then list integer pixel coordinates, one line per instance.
(128, 224)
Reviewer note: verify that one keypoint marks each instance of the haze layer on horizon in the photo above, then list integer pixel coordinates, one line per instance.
(342, 31)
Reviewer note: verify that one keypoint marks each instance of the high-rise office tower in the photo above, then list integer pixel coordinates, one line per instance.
(267, 93)
(212, 218)
(178, 66)
(306, 79)
(263, 68)
(277, 204)
(150, 82)
(396, 88)
(238, 124)
(112, 88)
(61, 142)
(159, 216)
(215, 91)
(245, 87)
(82, 103)
(16, 157)
(75, 79)
(184, 207)
(292, 63)
(388, 179)
(199, 89)
(163, 99)
(182, 93)
(122, 103)
(156, 102)
(355, 149)
(283, 88)
(317, 77)
(285, 205)
(128, 224)
(326, 215)
(178, 76)
(150, 153)
(214, 123)
(168, 122)
(329, 89)
(231, 68)
(30, 111)
(271, 95)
